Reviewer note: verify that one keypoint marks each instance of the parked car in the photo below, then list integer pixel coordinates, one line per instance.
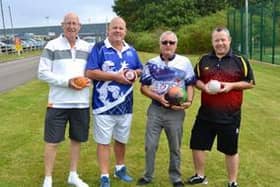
(90, 39)
(6, 48)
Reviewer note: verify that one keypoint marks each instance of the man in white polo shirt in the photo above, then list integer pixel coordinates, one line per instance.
(61, 65)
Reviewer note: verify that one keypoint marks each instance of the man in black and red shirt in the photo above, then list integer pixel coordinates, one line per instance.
(220, 111)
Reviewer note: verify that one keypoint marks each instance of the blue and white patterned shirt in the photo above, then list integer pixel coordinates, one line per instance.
(111, 97)
(160, 76)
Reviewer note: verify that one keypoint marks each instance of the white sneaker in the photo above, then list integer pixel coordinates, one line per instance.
(47, 182)
(76, 181)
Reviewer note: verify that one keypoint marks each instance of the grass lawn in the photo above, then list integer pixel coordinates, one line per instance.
(21, 147)
(8, 57)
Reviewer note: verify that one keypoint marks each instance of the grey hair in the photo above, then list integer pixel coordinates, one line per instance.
(168, 33)
(220, 29)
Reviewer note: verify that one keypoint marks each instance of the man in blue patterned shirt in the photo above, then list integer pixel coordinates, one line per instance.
(159, 75)
(112, 99)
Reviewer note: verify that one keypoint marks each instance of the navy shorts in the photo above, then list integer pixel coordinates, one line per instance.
(56, 120)
(204, 133)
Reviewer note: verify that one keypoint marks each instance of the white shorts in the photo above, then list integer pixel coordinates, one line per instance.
(106, 126)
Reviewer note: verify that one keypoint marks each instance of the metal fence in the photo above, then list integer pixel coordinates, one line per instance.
(263, 31)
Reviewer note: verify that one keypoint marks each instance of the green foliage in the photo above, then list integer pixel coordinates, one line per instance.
(196, 38)
(143, 41)
(239, 4)
(207, 7)
(193, 38)
(142, 15)
(148, 15)
(263, 29)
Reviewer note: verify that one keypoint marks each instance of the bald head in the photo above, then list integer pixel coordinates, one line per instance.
(117, 21)
(71, 27)
(71, 16)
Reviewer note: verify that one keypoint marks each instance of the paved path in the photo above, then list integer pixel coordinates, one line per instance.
(17, 72)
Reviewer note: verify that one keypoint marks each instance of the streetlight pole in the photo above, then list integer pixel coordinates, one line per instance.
(47, 18)
(3, 20)
(246, 29)
(11, 19)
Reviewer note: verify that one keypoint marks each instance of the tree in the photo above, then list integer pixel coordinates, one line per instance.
(206, 7)
(142, 15)
(240, 3)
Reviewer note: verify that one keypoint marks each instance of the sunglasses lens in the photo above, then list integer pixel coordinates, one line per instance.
(168, 42)
(172, 42)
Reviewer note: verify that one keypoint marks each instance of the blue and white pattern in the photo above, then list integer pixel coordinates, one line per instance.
(111, 97)
(160, 76)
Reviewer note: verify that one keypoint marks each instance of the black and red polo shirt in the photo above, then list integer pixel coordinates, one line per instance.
(222, 107)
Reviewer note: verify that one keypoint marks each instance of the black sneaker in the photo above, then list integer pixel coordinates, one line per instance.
(232, 184)
(142, 181)
(197, 180)
(178, 184)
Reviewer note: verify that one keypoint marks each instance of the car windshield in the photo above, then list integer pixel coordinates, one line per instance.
(91, 40)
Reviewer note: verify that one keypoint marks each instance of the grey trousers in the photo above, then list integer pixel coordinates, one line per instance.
(171, 121)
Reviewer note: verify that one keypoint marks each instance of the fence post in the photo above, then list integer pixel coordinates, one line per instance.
(234, 30)
(251, 34)
(241, 34)
(273, 31)
(246, 28)
(261, 34)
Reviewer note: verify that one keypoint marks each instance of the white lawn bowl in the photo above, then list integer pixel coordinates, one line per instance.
(130, 75)
(214, 86)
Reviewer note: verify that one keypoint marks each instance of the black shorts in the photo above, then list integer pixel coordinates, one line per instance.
(56, 120)
(204, 133)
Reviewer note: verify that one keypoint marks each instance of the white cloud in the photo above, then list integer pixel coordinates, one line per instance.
(26, 13)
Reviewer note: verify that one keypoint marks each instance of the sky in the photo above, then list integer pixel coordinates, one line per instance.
(30, 13)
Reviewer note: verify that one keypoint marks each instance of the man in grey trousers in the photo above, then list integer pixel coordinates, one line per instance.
(159, 75)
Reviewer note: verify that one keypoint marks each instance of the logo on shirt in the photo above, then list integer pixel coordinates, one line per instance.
(108, 66)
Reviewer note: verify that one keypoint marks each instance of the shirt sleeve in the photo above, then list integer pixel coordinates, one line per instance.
(139, 63)
(146, 78)
(190, 76)
(45, 70)
(248, 71)
(95, 57)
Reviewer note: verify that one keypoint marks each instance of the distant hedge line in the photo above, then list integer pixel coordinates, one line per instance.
(194, 38)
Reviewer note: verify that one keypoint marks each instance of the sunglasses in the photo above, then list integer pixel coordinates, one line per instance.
(165, 42)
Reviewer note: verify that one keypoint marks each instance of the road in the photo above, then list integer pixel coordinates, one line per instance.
(17, 72)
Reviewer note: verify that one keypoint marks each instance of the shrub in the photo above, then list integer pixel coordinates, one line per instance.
(194, 38)
(143, 41)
